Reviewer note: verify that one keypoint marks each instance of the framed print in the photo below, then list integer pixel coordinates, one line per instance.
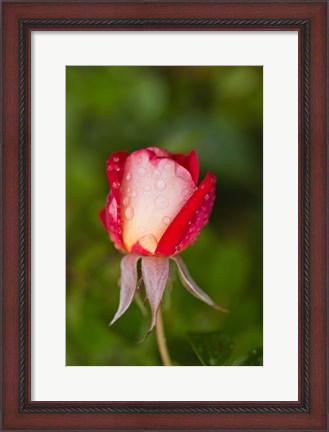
(164, 215)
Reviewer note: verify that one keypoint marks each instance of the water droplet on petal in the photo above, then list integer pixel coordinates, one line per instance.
(110, 168)
(128, 176)
(126, 201)
(148, 242)
(117, 168)
(206, 197)
(147, 188)
(161, 202)
(166, 220)
(177, 248)
(167, 167)
(156, 173)
(160, 185)
(115, 185)
(182, 173)
(116, 159)
(112, 209)
(129, 212)
(141, 171)
(119, 230)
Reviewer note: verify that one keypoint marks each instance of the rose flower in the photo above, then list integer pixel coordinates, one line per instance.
(154, 211)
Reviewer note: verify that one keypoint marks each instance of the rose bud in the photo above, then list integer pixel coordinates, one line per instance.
(154, 211)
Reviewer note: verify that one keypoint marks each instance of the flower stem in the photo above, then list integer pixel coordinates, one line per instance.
(161, 338)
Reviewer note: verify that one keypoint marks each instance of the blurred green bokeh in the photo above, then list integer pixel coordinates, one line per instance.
(219, 112)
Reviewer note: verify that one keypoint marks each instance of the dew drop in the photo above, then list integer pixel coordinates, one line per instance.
(148, 242)
(119, 230)
(115, 185)
(128, 176)
(177, 248)
(206, 197)
(110, 168)
(160, 185)
(167, 167)
(141, 171)
(129, 213)
(189, 222)
(112, 210)
(156, 173)
(116, 159)
(126, 201)
(197, 211)
(161, 202)
(166, 220)
(147, 188)
(117, 168)
(182, 173)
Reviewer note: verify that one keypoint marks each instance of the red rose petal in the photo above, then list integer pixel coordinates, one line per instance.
(158, 152)
(154, 189)
(199, 221)
(109, 217)
(190, 162)
(114, 171)
(139, 250)
(102, 216)
(170, 242)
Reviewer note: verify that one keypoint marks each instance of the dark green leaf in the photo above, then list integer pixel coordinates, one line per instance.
(212, 348)
(252, 358)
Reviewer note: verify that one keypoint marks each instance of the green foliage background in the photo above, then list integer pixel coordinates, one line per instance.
(219, 112)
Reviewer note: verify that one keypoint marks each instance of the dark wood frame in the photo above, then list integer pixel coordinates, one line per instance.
(19, 19)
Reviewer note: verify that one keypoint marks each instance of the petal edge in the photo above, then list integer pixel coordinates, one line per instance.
(169, 244)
